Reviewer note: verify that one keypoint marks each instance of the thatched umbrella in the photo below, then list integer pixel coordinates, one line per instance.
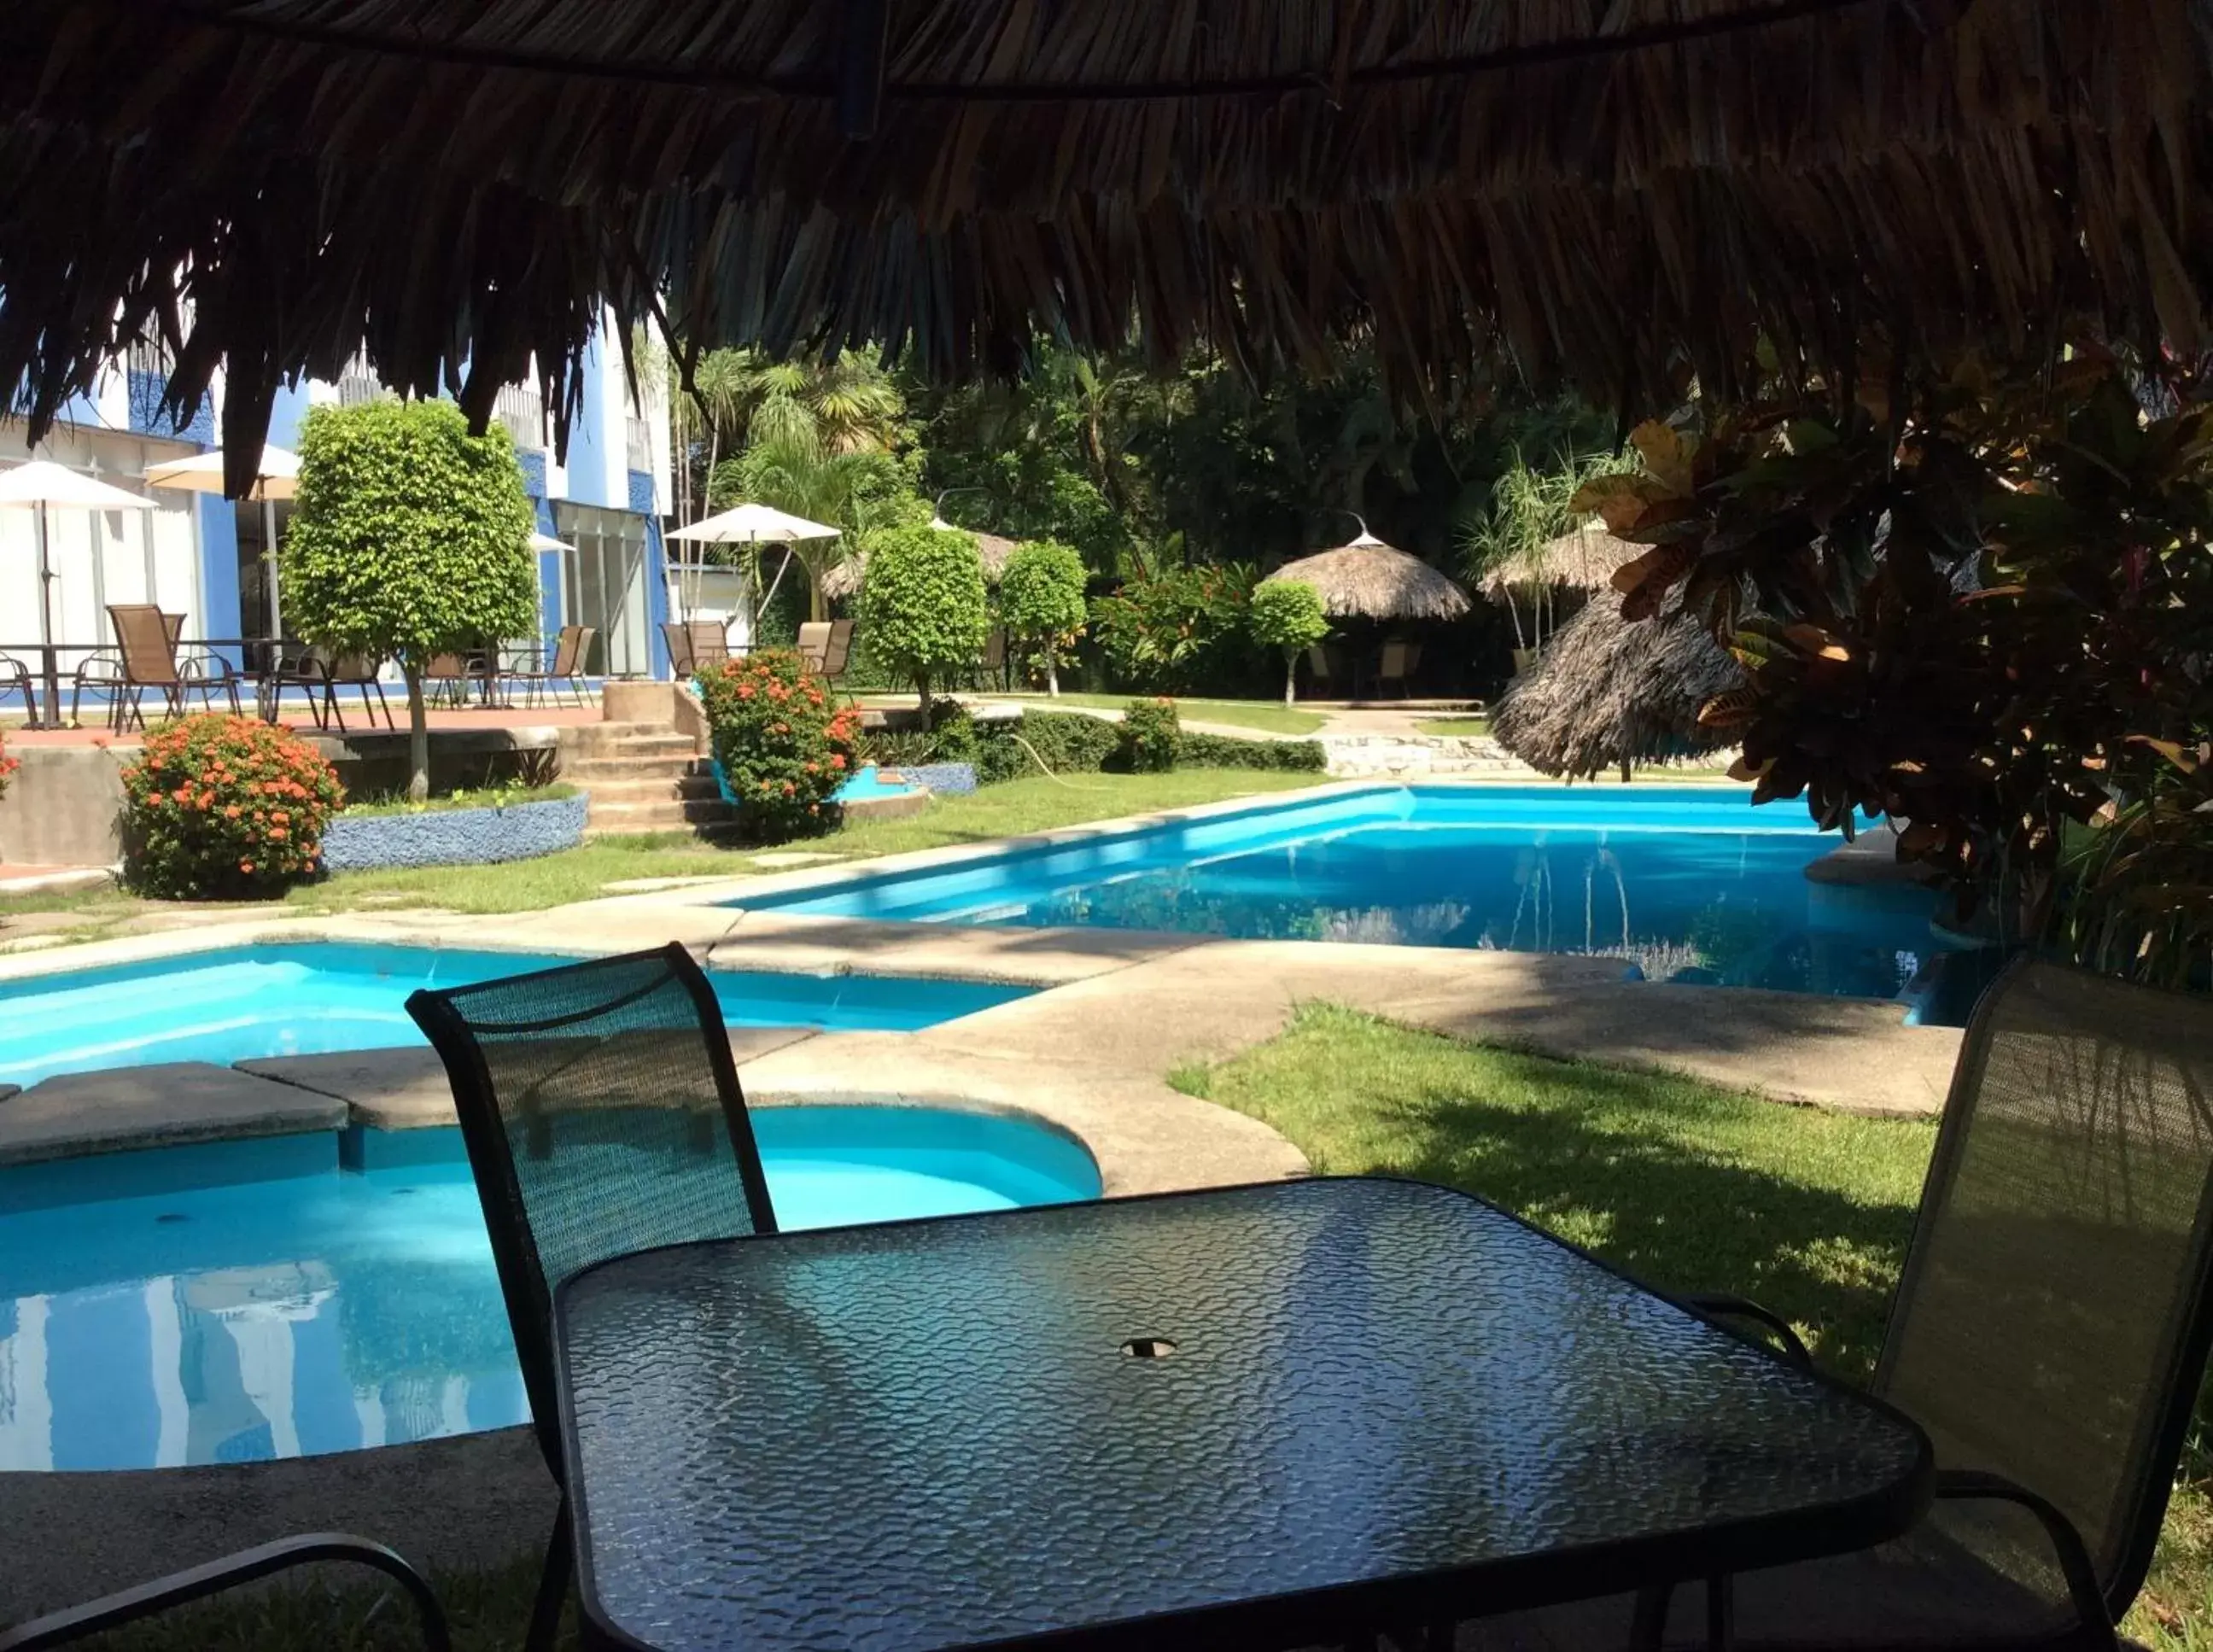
(845, 579)
(1610, 692)
(1371, 580)
(1582, 560)
(1615, 193)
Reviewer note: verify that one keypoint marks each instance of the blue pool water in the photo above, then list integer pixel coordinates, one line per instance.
(247, 1002)
(1685, 883)
(247, 1299)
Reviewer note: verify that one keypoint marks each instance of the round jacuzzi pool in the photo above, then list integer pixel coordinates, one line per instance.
(297, 1295)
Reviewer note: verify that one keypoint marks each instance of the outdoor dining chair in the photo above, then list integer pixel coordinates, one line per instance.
(322, 676)
(145, 656)
(600, 1106)
(15, 678)
(132, 1605)
(2049, 1333)
(837, 651)
(565, 669)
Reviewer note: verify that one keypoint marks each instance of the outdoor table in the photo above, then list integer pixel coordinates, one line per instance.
(1282, 1413)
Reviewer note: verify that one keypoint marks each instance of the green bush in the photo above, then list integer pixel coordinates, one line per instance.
(923, 607)
(1151, 736)
(219, 806)
(784, 743)
(1180, 630)
(411, 538)
(1067, 742)
(1286, 616)
(8, 766)
(1041, 603)
(1226, 751)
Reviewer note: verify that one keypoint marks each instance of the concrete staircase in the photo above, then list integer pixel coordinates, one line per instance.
(646, 776)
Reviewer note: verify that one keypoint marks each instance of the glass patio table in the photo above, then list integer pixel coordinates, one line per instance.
(1279, 1413)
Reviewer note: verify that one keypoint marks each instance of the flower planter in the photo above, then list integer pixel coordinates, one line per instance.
(455, 836)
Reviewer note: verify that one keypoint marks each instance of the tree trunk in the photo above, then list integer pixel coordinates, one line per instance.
(419, 735)
(921, 686)
(1290, 676)
(1053, 673)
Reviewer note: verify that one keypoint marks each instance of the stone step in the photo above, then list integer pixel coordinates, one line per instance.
(659, 815)
(671, 744)
(585, 770)
(648, 787)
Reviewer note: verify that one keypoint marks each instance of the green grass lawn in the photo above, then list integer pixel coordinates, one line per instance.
(1691, 1187)
(1271, 717)
(1467, 728)
(1006, 810)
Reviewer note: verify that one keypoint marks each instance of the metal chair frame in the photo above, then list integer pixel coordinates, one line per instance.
(130, 1606)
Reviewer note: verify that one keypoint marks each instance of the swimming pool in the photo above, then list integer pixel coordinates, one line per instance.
(1685, 883)
(244, 1004)
(246, 1299)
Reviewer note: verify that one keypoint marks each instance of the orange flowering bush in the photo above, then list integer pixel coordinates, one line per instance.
(221, 806)
(8, 766)
(783, 741)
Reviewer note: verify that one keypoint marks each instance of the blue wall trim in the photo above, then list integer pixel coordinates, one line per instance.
(640, 492)
(588, 436)
(287, 413)
(147, 390)
(218, 519)
(532, 467)
(656, 599)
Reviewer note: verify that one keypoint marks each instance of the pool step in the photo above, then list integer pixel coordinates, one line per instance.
(650, 788)
(659, 815)
(643, 778)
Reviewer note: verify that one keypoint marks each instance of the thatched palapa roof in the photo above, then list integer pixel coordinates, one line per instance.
(1583, 560)
(1371, 580)
(844, 580)
(1609, 691)
(1621, 193)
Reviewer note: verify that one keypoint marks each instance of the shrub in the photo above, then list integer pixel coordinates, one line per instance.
(784, 743)
(923, 607)
(1228, 752)
(225, 806)
(1041, 603)
(1286, 616)
(1152, 736)
(8, 766)
(410, 538)
(1178, 630)
(1066, 742)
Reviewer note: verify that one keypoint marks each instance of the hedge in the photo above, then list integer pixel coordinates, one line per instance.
(1072, 743)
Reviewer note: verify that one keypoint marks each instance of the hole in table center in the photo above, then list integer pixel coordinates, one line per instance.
(1149, 1348)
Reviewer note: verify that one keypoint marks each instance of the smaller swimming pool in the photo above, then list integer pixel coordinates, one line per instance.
(246, 1003)
(238, 1301)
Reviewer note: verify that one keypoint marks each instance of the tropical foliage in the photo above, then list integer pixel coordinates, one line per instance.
(924, 603)
(225, 806)
(1152, 736)
(1288, 616)
(1529, 507)
(1982, 606)
(1041, 603)
(410, 538)
(1173, 629)
(784, 743)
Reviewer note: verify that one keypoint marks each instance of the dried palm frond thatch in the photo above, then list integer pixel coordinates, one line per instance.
(1620, 193)
(1371, 580)
(1611, 691)
(844, 580)
(1583, 561)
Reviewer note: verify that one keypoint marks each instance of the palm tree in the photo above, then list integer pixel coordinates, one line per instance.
(848, 405)
(795, 472)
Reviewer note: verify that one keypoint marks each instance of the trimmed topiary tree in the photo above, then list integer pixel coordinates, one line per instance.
(923, 604)
(1041, 602)
(1286, 615)
(411, 538)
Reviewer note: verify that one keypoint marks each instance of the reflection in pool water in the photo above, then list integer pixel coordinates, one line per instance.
(250, 1300)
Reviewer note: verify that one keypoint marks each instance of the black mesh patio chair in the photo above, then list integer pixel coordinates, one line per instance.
(132, 1605)
(2049, 1331)
(601, 1108)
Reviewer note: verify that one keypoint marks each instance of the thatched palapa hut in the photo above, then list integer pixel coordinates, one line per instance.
(1371, 580)
(1615, 193)
(1583, 560)
(1610, 692)
(844, 580)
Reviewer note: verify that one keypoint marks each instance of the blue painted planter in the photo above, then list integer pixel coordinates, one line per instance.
(455, 836)
(945, 779)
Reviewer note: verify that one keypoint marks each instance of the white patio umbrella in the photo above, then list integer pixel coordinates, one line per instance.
(754, 525)
(277, 479)
(41, 486)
